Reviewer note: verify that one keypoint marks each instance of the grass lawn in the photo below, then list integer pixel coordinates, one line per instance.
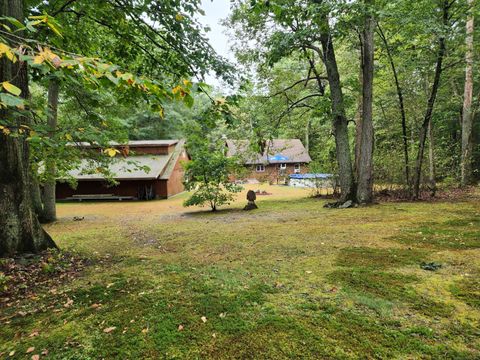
(289, 280)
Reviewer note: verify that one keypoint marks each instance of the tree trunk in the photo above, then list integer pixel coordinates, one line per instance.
(430, 104)
(365, 164)
(340, 122)
(401, 107)
(467, 118)
(432, 183)
(49, 206)
(359, 115)
(307, 135)
(20, 230)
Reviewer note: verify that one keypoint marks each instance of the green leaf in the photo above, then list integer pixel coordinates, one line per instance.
(13, 21)
(10, 100)
(188, 100)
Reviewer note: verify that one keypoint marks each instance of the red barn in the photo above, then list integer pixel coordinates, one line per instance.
(144, 170)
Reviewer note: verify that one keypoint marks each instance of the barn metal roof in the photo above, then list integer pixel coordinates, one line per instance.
(277, 151)
(125, 168)
(136, 143)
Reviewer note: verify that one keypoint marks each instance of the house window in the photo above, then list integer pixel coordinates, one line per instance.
(260, 168)
(283, 166)
(296, 169)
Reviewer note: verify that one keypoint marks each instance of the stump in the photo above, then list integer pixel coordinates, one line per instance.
(251, 197)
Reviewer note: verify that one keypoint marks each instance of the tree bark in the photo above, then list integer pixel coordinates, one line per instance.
(340, 121)
(431, 103)
(365, 164)
(467, 118)
(432, 183)
(307, 135)
(359, 115)
(49, 206)
(20, 230)
(401, 107)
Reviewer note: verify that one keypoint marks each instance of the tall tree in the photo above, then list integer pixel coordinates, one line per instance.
(20, 230)
(365, 163)
(401, 107)
(467, 115)
(340, 120)
(445, 6)
(49, 207)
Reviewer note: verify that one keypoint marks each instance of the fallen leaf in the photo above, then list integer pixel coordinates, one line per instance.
(109, 329)
(36, 357)
(33, 334)
(180, 327)
(145, 330)
(11, 353)
(68, 303)
(308, 272)
(95, 306)
(204, 319)
(45, 352)
(30, 349)
(214, 335)
(222, 315)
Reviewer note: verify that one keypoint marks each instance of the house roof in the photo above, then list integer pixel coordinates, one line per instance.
(276, 151)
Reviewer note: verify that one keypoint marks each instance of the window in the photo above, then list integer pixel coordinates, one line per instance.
(260, 168)
(296, 169)
(283, 166)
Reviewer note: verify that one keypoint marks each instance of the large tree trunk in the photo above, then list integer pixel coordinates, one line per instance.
(430, 104)
(49, 206)
(467, 118)
(359, 115)
(340, 121)
(365, 164)
(401, 107)
(20, 230)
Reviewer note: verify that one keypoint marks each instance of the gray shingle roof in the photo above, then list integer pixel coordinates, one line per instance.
(276, 151)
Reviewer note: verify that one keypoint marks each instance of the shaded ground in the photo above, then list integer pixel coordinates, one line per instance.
(290, 280)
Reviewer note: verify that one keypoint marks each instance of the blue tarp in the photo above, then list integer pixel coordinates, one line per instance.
(278, 157)
(310, 176)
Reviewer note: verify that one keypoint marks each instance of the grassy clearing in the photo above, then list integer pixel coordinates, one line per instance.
(291, 280)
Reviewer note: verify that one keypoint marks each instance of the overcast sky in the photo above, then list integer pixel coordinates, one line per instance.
(216, 10)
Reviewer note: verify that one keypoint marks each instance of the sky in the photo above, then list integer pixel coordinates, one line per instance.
(215, 11)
